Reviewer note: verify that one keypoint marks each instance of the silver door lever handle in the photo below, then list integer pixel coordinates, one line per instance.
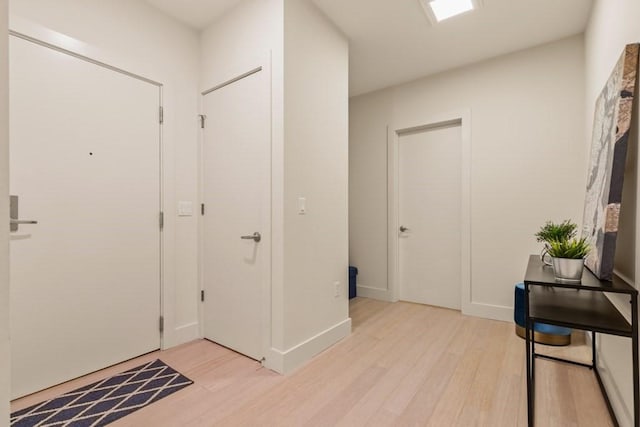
(255, 237)
(14, 222)
(22, 221)
(403, 229)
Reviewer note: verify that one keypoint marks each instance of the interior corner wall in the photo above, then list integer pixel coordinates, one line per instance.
(5, 373)
(527, 162)
(315, 168)
(613, 25)
(137, 37)
(309, 71)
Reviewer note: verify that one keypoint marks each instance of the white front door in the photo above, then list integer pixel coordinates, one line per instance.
(236, 176)
(430, 193)
(85, 280)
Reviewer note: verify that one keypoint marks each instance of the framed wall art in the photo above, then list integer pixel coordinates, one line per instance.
(612, 121)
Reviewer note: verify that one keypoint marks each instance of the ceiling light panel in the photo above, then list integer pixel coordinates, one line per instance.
(439, 10)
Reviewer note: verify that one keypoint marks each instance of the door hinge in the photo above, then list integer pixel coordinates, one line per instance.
(161, 324)
(202, 120)
(202, 295)
(161, 220)
(161, 115)
(202, 209)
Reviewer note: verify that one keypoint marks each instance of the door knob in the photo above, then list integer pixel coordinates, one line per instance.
(403, 229)
(255, 237)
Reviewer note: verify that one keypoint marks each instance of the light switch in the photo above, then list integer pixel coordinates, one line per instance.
(302, 205)
(185, 209)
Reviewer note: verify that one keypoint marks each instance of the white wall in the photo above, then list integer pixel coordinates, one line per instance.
(315, 167)
(527, 162)
(5, 374)
(612, 25)
(309, 66)
(138, 38)
(239, 39)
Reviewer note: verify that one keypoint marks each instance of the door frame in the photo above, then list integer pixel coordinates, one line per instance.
(463, 118)
(261, 64)
(5, 345)
(52, 40)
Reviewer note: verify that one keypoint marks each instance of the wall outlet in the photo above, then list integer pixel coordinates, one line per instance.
(336, 289)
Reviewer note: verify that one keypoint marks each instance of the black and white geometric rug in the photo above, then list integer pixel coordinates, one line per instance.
(105, 401)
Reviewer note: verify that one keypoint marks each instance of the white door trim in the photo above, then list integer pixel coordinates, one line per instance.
(47, 36)
(394, 132)
(82, 57)
(5, 346)
(263, 65)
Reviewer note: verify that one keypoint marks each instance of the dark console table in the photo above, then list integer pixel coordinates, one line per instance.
(581, 306)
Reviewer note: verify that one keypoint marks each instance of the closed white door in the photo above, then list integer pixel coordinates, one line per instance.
(430, 185)
(236, 175)
(85, 280)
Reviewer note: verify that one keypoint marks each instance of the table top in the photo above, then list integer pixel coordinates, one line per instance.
(540, 274)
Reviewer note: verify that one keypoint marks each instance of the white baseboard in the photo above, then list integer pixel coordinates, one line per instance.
(181, 334)
(375, 293)
(488, 311)
(274, 360)
(286, 361)
(623, 414)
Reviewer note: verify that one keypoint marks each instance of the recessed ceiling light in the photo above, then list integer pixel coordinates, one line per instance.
(439, 10)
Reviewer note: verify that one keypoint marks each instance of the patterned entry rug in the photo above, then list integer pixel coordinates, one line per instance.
(105, 401)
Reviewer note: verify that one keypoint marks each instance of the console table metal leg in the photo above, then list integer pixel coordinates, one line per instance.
(594, 360)
(532, 331)
(528, 333)
(634, 344)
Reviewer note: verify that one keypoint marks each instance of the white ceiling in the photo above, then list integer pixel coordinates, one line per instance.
(392, 41)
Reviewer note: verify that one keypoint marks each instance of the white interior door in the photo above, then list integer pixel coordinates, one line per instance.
(430, 194)
(85, 281)
(236, 176)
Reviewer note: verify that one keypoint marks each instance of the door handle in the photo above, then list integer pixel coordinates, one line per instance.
(403, 229)
(256, 237)
(14, 222)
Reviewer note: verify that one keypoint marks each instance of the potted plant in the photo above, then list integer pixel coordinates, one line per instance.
(552, 232)
(567, 258)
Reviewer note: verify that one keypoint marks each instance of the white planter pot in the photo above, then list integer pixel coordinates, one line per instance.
(568, 270)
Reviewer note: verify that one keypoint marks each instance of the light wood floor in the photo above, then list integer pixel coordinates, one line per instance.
(404, 364)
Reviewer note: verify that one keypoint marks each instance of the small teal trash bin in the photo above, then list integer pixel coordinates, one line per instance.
(353, 272)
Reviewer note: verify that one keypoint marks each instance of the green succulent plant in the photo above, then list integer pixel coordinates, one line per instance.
(552, 232)
(569, 248)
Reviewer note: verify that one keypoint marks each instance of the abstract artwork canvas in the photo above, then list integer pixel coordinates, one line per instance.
(612, 121)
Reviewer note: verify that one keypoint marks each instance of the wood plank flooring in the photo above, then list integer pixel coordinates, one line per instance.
(404, 365)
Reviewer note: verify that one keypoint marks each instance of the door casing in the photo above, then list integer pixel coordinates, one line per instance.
(394, 131)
